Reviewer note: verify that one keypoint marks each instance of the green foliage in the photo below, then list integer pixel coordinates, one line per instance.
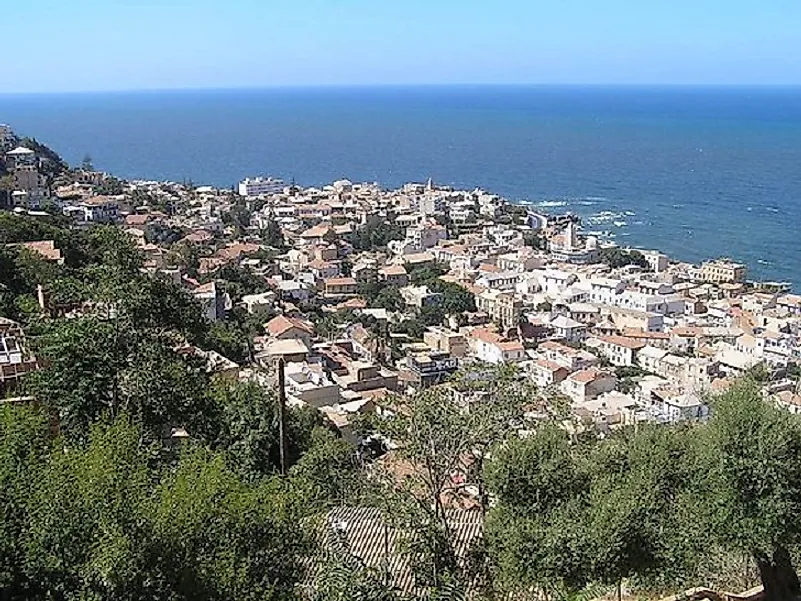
(247, 429)
(98, 368)
(456, 299)
(616, 257)
(427, 273)
(273, 236)
(376, 236)
(437, 435)
(105, 520)
(110, 186)
(534, 240)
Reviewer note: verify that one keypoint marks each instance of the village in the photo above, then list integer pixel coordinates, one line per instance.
(366, 293)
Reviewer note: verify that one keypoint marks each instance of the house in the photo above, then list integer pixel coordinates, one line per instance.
(292, 290)
(568, 329)
(340, 287)
(490, 347)
(365, 272)
(605, 291)
(547, 373)
(445, 340)
(587, 384)
(420, 296)
(259, 303)
(212, 303)
(502, 307)
(649, 358)
(290, 328)
(789, 400)
(44, 248)
(678, 406)
(308, 384)
(323, 270)
(608, 410)
(553, 282)
(394, 275)
(100, 209)
(431, 367)
(498, 280)
(16, 359)
(568, 357)
(620, 350)
(722, 271)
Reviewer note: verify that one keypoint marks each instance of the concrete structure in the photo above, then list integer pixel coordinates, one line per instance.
(502, 307)
(431, 368)
(260, 185)
(722, 270)
(587, 384)
(619, 350)
(446, 341)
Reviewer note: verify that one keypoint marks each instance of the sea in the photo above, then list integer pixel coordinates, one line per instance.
(696, 172)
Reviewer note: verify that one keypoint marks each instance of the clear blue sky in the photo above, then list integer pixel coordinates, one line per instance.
(68, 45)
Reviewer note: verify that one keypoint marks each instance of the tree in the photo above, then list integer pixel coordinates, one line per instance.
(456, 299)
(570, 515)
(99, 368)
(616, 257)
(756, 479)
(106, 520)
(440, 437)
(248, 429)
(110, 186)
(23, 449)
(273, 236)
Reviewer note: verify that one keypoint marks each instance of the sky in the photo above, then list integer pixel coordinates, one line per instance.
(94, 45)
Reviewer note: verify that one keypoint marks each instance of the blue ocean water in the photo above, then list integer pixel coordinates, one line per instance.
(696, 172)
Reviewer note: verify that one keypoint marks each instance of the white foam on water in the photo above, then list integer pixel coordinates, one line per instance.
(552, 203)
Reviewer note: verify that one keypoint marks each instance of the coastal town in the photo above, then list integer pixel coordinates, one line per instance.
(429, 330)
(366, 292)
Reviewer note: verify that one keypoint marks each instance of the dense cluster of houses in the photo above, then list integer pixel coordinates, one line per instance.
(622, 345)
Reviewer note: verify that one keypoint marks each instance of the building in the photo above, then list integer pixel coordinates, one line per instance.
(567, 248)
(658, 262)
(568, 357)
(290, 328)
(432, 367)
(568, 329)
(620, 351)
(547, 373)
(99, 209)
(308, 384)
(446, 341)
(680, 406)
(585, 385)
(260, 185)
(341, 286)
(394, 275)
(491, 348)
(722, 271)
(259, 303)
(502, 307)
(20, 156)
(212, 304)
(605, 291)
(420, 296)
(16, 360)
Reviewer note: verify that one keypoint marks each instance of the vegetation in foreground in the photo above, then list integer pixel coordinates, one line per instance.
(94, 504)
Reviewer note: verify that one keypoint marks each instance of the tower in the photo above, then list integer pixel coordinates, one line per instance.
(570, 236)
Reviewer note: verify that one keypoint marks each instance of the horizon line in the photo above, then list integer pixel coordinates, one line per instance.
(346, 86)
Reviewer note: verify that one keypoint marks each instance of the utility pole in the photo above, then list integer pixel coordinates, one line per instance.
(281, 416)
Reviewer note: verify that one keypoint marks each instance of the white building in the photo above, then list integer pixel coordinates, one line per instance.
(260, 185)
